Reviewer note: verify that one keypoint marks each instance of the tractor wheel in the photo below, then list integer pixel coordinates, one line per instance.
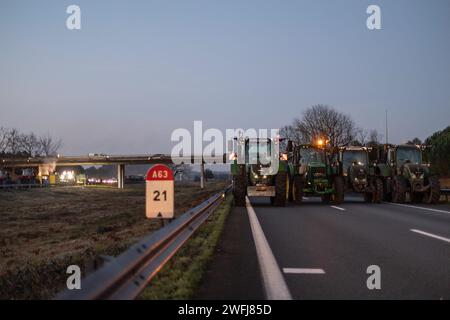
(297, 189)
(281, 189)
(338, 185)
(434, 193)
(326, 198)
(240, 188)
(398, 189)
(378, 190)
(368, 197)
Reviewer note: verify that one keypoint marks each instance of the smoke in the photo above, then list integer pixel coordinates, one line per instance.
(48, 167)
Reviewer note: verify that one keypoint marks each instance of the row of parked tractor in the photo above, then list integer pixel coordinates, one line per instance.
(394, 173)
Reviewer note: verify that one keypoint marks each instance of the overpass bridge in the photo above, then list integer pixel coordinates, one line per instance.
(43, 163)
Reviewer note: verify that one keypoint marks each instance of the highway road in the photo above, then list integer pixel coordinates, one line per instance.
(318, 251)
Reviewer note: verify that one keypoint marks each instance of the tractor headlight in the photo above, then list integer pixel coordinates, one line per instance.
(283, 156)
(233, 156)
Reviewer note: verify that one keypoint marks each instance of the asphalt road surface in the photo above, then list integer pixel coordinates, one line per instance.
(318, 251)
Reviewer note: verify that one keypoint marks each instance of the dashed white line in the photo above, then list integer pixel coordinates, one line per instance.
(303, 271)
(415, 207)
(430, 235)
(274, 283)
(338, 208)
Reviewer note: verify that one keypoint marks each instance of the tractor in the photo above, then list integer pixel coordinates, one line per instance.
(313, 173)
(409, 175)
(256, 174)
(359, 174)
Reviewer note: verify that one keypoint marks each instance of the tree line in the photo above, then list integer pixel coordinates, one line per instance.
(14, 143)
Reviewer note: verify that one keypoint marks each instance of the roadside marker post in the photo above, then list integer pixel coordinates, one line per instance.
(159, 193)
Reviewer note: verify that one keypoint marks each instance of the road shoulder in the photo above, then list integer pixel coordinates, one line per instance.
(234, 272)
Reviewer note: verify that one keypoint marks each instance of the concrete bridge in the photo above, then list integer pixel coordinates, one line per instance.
(43, 163)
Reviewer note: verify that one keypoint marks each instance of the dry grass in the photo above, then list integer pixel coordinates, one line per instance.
(45, 230)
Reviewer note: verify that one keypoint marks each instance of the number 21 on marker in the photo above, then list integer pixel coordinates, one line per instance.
(159, 192)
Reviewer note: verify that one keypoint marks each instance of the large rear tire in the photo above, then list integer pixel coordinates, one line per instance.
(387, 190)
(378, 190)
(339, 187)
(240, 187)
(398, 189)
(281, 192)
(368, 197)
(434, 192)
(298, 185)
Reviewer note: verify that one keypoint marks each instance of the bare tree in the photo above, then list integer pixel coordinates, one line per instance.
(321, 121)
(4, 133)
(30, 144)
(14, 142)
(48, 146)
(374, 138)
(362, 136)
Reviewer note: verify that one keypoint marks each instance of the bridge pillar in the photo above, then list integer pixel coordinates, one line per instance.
(202, 176)
(120, 176)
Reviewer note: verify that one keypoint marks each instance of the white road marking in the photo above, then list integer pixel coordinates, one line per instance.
(274, 283)
(430, 235)
(339, 208)
(415, 207)
(303, 271)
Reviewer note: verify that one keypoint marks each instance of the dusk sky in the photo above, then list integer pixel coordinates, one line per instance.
(137, 70)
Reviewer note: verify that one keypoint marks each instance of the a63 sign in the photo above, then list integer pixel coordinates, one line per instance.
(159, 192)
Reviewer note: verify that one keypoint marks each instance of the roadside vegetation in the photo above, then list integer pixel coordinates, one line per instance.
(45, 230)
(181, 276)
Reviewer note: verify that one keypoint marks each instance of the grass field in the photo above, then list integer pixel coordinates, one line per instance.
(45, 230)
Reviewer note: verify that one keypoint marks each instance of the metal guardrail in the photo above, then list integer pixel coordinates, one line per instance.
(124, 277)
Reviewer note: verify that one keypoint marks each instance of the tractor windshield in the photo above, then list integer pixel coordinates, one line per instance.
(259, 151)
(308, 155)
(411, 155)
(358, 157)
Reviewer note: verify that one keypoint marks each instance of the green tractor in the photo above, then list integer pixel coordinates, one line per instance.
(409, 175)
(256, 174)
(360, 175)
(312, 173)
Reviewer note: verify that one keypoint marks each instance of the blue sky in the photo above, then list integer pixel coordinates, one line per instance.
(137, 70)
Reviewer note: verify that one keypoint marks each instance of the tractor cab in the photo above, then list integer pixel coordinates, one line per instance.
(353, 157)
(313, 173)
(259, 170)
(404, 154)
(312, 161)
(409, 175)
(360, 175)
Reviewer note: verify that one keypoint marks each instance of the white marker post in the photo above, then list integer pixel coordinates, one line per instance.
(159, 193)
